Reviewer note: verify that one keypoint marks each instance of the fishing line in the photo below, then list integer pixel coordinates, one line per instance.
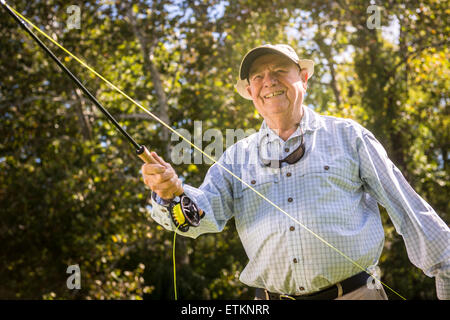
(201, 151)
(174, 264)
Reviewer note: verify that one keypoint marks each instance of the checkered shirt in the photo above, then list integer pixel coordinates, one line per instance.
(334, 191)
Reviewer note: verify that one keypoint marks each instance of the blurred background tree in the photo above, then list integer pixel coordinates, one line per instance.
(70, 188)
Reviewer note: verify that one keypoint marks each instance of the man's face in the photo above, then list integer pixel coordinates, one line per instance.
(276, 86)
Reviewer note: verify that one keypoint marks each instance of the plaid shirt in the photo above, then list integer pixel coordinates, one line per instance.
(333, 191)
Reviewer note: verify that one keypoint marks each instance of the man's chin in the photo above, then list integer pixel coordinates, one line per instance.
(274, 107)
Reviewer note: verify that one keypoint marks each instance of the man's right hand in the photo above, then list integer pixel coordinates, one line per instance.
(161, 178)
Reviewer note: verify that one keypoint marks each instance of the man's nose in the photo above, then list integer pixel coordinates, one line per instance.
(270, 79)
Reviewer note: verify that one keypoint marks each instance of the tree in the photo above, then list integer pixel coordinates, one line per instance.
(70, 188)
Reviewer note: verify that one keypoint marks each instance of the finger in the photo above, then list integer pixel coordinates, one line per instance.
(163, 177)
(157, 186)
(167, 193)
(158, 159)
(150, 168)
(149, 183)
(168, 185)
(166, 196)
(154, 181)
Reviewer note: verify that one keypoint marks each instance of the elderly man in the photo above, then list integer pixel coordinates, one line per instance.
(312, 229)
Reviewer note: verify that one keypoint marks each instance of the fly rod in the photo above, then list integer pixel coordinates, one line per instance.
(183, 210)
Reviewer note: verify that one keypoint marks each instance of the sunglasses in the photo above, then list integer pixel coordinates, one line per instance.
(292, 158)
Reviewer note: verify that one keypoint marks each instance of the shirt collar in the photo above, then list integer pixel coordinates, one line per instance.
(310, 122)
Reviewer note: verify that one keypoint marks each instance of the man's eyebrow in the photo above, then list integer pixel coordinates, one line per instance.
(277, 65)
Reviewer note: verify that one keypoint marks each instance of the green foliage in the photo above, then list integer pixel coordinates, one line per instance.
(70, 186)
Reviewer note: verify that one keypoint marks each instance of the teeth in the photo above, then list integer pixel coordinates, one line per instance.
(274, 94)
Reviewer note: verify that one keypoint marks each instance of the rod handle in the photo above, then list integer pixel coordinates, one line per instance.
(145, 155)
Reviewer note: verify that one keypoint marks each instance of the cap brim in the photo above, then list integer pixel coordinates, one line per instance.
(241, 88)
(252, 55)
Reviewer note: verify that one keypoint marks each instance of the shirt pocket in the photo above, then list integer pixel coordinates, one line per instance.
(339, 170)
(253, 212)
(329, 193)
(261, 182)
(342, 175)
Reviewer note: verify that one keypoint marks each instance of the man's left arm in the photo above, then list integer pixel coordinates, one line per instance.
(426, 236)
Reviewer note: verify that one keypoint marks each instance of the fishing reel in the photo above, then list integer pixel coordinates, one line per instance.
(185, 213)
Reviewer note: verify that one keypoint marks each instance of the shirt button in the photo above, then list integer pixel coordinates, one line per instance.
(302, 289)
(295, 260)
(286, 149)
(292, 228)
(253, 182)
(288, 174)
(290, 199)
(326, 167)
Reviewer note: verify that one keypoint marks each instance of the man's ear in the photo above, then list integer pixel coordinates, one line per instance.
(249, 90)
(304, 77)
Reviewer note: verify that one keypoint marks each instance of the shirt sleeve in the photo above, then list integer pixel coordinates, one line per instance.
(214, 197)
(426, 235)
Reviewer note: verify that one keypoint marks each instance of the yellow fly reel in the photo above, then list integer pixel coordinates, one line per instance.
(185, 213)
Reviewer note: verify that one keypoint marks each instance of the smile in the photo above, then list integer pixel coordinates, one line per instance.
(274, 94)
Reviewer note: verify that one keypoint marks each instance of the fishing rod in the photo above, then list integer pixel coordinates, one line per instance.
(183, 210)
